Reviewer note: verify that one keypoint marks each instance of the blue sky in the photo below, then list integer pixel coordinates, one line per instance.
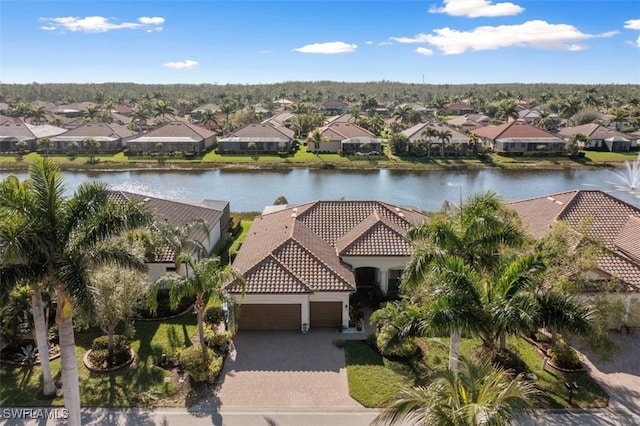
(438, 42)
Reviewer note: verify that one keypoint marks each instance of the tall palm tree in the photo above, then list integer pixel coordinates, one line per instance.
(478, 394)
(162, 108)
(59, 241)
(402, 113)
(429, 133)
(207, 278)
(445, 137)
(317, 140)
(558, 312)
(140, 115)
(91, 145)
(38, 113)
(507, 109)
(208, 117)
(46, 144)
(11, 256)
(91, 113)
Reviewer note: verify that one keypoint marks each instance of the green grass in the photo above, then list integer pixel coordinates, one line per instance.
(598, 156)
(140, 384)
(373, 380)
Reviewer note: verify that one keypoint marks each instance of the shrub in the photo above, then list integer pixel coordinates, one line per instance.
(404, 350)
(99, 355)
(201, 367)
(217, 341)
(564, 356)
(213, 315)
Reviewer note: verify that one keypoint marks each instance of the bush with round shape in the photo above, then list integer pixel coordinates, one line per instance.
(403, 350)
(99, 355)
(217, 340)
(213, 315)
(564, 356)
(201, 367)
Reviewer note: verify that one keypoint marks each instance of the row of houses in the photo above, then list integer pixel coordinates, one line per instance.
(302, 262)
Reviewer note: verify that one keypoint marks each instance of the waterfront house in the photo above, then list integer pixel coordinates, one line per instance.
(257, 138)
(302, 262)
(614, 224)
(458, 142)
(110, 137)
(600, 137)
(16, 130)
(345, 136)
(174, 136)
(520, 138)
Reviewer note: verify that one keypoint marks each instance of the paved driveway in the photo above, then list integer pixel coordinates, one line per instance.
(277, 369)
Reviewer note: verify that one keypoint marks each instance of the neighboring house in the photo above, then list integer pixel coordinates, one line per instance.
(613, 223)
(518, 137)
(123, 109)
(196, 114)
(348, 137)
(419, 107)
(282, 103)
(459, 108)
(4, 109)
(257, 138)
(175, 136)
(110, 137)
(334, 107)
(16, 130)
(459, 142)
(283, 119)
(601, 137)
(72, 110)
(470, 122)
(215, 214)
(302, 262)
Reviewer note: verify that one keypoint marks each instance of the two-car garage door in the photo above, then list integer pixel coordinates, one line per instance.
(288, 316)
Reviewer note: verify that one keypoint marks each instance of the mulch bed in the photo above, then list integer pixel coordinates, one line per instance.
(91, 367)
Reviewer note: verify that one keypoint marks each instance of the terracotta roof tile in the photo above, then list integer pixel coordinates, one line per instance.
(628, 240)
(515, 130)
(628, 272)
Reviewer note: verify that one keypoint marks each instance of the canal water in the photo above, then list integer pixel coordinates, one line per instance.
(252, 190)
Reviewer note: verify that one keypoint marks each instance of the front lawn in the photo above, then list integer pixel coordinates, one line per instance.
(142, 384)
(375, 381)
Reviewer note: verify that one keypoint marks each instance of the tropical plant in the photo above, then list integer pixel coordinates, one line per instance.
(46, 144)
(429, 134)
(117, 296)
(445, 137)
(92, 145)
(206, 281)
(207, 117)
(317, 139)
(162, 109)
(398, 143)
(477, 394)
(507, 109)
(60, 240)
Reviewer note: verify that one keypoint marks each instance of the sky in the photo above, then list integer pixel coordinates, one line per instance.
(249, 42)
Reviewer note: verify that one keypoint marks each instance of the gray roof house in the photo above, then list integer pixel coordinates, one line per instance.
(110, 137)
(348, 137)
(601, 137)
(257, 138)
(16, 130)
(459, 142)
(178, 135)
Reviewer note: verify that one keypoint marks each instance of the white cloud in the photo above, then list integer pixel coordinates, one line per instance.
(385, 43)
(632, 24)
(100, 24)
(180, 65)
(537, 34)
(637, 43)
(424, 51)
(328, 48)
(477, 8)
(369, 42)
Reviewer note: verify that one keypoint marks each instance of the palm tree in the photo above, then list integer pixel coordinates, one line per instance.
(317, 140)
(227, 108)
(59, 241)
(140, 116)
(558, 312)
(544, 121)
(205, 282)
(91, 113)
(11, 188)
(46, 144)
(402, 113)
(178, 239)
(208, 117)
(429, 133)
(475, 142)
(92, 145)
(161, 109)
(445, 137)
(507, 109)
(38, 113)
(478, 394)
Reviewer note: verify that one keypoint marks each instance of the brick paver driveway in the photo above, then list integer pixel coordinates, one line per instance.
(277, 369)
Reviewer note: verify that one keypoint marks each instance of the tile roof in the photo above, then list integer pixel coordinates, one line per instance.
(176, 129)
(15, 130)
(262, 131)
(593, 131)
(612, 222)
(298, 247)
(415, 132)
(339, 130)
(97, 130)
(515, 130)
(177, 212)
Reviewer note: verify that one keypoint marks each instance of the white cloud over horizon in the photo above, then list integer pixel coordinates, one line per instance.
(632, 24)
(328, 48)
(181, 65)
(536, 34)
(477, 8)
(100, 24)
